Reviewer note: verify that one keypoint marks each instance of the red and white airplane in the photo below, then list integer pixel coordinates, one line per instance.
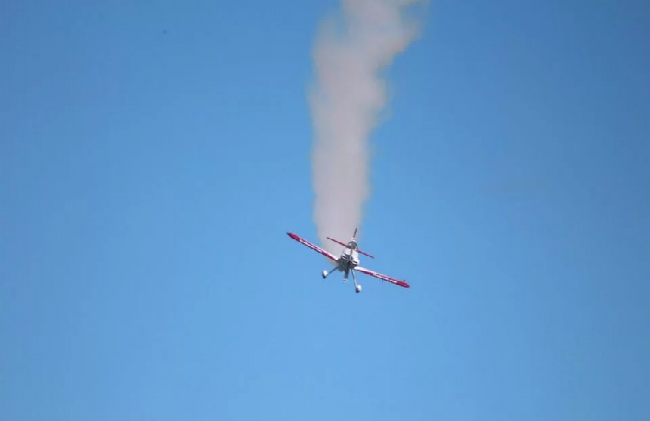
(348, 261)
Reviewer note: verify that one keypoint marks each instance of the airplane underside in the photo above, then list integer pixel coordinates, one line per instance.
(346, 272)
(348, 261)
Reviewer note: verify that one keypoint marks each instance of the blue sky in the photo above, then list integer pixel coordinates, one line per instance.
(147, 180)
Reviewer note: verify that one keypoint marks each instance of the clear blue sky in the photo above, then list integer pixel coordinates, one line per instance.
(147, 181)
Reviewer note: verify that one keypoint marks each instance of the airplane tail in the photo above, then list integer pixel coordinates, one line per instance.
(354, 238)
(337, 241)
(365, 254)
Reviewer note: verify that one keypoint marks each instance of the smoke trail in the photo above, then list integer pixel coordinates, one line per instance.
(345, 103)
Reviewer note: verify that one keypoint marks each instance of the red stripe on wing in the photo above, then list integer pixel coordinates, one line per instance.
(312, 246)
(383, 277)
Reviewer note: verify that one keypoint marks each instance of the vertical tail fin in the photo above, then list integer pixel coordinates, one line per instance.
(354, 238)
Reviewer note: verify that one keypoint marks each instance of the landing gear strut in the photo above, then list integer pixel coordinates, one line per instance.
(326, 273)
(357, 287)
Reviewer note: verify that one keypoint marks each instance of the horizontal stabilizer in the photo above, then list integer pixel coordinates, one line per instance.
(337, 241)
(366, 254)
(345, 245)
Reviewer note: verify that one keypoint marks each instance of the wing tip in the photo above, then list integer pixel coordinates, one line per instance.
(403, 284)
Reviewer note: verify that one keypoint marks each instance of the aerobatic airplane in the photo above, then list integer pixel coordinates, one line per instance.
(348, 261)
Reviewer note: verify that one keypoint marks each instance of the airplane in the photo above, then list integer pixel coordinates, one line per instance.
(348, 261)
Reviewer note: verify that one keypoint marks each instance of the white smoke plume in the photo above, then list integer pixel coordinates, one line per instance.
(346, 99)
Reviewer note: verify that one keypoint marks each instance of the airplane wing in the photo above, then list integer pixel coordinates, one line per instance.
(382, 277)
(313, 247)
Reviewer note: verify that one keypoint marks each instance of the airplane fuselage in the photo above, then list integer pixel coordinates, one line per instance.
(348, 260)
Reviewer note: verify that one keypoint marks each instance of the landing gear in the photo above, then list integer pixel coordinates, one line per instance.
(326, 273)
(357, 287)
